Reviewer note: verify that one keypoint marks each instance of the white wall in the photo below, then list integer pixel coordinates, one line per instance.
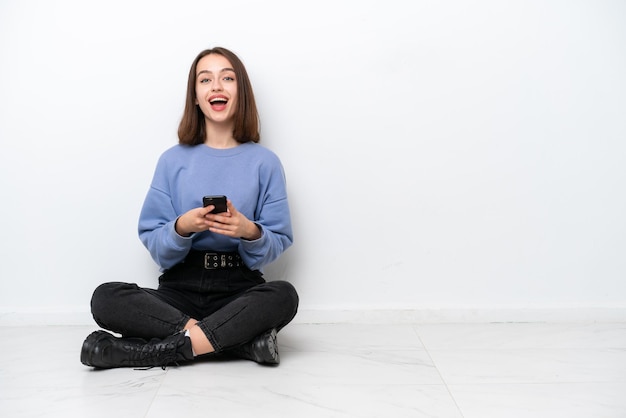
(439, 155)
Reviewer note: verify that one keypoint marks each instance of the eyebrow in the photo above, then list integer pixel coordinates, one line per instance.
(223, 70)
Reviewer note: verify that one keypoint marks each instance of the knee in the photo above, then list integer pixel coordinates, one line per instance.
(104, 298)
(290, 290)
(289, 296)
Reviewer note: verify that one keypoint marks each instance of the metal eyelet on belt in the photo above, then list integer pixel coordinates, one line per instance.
(214, 261)
(211, 261)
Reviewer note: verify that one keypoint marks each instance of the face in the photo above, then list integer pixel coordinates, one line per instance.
(216, 88)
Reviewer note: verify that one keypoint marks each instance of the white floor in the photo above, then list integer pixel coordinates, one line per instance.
(502, 370)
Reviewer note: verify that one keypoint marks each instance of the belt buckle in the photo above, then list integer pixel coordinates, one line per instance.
(211, 261)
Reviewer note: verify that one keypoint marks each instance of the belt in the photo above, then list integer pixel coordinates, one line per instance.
(214, 260)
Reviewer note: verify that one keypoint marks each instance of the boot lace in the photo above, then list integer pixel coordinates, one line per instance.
(155, 353)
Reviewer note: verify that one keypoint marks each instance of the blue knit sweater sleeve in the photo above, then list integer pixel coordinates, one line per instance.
(250, 175)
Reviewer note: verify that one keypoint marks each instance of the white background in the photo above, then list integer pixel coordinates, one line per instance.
(439, 154)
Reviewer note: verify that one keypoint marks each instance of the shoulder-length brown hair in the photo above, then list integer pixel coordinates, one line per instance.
(191, 130)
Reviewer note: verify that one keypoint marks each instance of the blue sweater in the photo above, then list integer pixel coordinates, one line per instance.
(250, 175)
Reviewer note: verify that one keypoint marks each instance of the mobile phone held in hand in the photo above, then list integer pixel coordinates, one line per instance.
(218, 201)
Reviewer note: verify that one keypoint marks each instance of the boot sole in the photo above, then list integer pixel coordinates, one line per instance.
(89, 345)
(266, 349)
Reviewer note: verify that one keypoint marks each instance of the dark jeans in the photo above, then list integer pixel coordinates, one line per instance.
(232, 305)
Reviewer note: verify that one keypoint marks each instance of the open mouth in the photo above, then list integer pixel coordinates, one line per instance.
(218, 103)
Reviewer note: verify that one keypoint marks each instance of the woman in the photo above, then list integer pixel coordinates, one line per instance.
(212, 297)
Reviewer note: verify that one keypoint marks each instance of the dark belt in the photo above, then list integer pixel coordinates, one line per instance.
(214, 260)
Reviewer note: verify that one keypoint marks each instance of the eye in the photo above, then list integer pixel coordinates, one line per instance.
(229, 78)
(204, 80)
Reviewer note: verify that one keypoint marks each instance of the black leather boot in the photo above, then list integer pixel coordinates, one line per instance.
(263, 349)
(105, 351)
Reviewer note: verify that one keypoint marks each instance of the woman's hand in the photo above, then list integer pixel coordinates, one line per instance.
(193, 221)
(231, 223)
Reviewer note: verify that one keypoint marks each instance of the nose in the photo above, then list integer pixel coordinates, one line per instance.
(217, 85)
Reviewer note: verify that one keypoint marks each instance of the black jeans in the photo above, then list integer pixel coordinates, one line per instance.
(232, 305)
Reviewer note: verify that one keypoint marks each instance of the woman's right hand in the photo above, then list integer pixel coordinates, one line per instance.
(193, 221)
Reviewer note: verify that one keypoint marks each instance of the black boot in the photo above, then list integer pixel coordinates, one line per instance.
(263, 349)
(105, 351)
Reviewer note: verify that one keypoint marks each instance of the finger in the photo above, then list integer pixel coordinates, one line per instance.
(231, 208)
(222, 231)
(207, 209)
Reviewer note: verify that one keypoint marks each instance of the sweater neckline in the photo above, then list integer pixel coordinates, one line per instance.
(225, 152)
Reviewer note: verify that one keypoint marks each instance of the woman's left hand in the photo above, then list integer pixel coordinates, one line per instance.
(233, 224)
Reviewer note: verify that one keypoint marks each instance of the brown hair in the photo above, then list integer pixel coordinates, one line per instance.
(191, 130)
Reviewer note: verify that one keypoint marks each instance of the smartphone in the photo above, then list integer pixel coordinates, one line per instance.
(218, 201)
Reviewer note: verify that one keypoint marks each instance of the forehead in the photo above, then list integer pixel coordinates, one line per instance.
(213, 63)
